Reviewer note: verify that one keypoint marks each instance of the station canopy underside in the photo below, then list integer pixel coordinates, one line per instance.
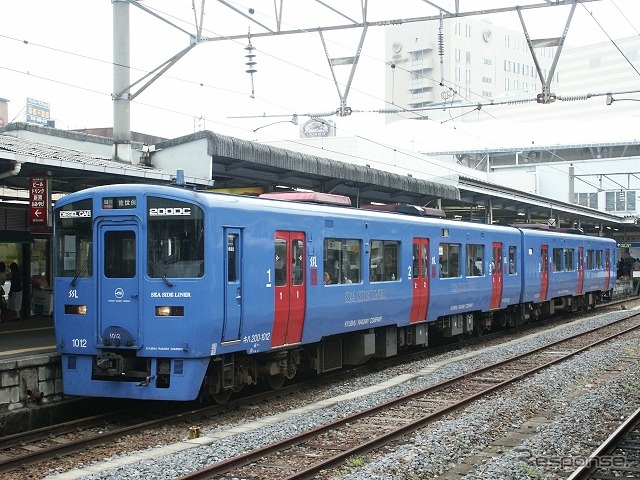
(238, 164)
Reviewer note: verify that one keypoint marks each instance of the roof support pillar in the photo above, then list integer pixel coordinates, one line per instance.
(488, 216)
(121, 75)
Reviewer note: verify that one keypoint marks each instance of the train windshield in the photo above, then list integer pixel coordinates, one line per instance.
(175, 240)
(73, 240)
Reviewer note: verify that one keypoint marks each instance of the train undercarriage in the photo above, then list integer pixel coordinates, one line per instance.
(232, 372)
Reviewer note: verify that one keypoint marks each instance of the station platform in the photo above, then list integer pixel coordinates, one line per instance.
(30, 371)
(27, 336)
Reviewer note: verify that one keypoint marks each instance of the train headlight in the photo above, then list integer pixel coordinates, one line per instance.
(75, 309)
(170, 311)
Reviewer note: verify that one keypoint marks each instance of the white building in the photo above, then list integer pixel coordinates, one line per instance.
(466, 61)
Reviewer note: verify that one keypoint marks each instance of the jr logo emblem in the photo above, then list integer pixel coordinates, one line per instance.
(119, 293)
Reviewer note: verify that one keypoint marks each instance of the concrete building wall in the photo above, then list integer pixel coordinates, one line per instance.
(608, 186)
(480, 62)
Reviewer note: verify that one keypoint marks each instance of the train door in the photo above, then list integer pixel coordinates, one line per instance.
(544, 271)
(119, 307)
(420, 275)
(496, 276)
(290, 293)
(580, 270)
(233, 285)
(607, 266)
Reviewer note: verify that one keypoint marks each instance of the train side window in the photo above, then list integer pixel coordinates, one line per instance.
(599, 263)
(557, 259)
(591, 260)
(232, 249)
(569, 262)
(281, 262)
(342, 260)
(449, 260)
(513, 260)
(298, 257)
(475, 260)
(425, 261)
(544, 259)
(384, 265)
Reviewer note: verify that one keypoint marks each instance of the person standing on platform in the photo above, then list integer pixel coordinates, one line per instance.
(3, 279)
(15, 292)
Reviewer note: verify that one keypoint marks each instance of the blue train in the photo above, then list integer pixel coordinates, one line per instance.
(167, 293)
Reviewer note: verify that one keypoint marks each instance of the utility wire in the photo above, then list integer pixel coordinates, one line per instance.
(202, 84)
(611, 39)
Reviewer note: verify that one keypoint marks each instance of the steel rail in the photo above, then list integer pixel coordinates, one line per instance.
(383, 439)
(607, 447)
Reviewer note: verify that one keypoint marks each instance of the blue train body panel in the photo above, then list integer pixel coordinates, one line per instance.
(555, 263)
(154, 285)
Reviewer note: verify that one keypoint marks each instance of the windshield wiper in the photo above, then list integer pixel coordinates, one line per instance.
(167, 261)
(82, 267)
(156, 266)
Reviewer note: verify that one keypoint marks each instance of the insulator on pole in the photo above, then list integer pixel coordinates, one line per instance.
(250, 63)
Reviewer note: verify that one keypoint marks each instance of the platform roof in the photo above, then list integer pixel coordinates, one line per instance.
(239, 164)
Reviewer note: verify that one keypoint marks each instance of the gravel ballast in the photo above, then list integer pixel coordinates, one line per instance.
(540, 428)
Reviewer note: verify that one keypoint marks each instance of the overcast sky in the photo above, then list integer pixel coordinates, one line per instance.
(61, 53)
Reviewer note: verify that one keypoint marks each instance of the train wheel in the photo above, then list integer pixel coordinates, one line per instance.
(222, 396)
(276, 381)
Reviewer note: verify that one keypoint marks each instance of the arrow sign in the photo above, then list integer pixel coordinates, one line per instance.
(39, 201)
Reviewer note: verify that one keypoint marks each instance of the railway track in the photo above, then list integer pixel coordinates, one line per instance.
(316, 452)
(617, 457)
(41, 445)
(48, 443)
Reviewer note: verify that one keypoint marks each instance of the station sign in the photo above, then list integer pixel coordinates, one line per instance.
(318, 127)
(38, 112)
(39, 201)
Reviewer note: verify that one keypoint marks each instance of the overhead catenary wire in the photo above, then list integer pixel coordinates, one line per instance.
(471, 106)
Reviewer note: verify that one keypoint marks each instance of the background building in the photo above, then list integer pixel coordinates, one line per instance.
(466, 61)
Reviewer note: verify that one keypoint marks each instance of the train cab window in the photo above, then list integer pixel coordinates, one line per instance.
(74, 240)
(569, 260)
(557, 260)
(383, 264)
(175, 239)
(475, 260)
(513, 260)
(449, 260)
(120, 254)
(342, 261)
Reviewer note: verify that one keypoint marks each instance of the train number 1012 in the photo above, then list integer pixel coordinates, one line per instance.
(79, 342)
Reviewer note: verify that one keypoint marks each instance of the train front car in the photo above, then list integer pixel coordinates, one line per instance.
(129, 265)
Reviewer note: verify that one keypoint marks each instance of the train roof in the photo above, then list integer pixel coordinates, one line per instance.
(310, 197)
(308, 207)
(253, 203)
